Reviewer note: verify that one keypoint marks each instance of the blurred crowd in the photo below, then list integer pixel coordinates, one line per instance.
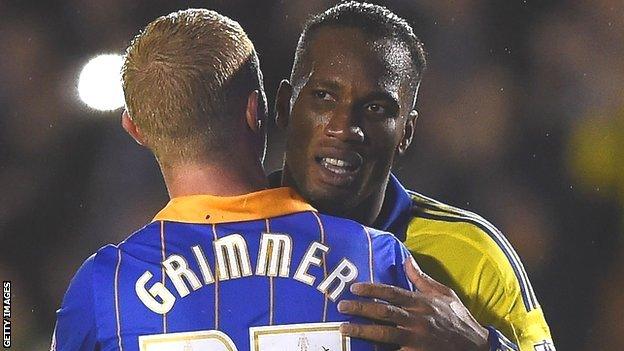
(521, 120)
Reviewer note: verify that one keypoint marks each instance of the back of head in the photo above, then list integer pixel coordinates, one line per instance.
(375, 20)
(186, 79)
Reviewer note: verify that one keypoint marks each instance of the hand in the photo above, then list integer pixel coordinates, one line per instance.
(431, 318)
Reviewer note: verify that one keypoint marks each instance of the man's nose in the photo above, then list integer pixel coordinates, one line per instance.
(345, 127)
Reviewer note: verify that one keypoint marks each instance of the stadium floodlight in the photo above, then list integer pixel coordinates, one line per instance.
(99, 84)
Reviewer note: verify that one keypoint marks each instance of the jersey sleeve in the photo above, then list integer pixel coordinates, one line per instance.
(506, 309)
(487, 275)
(75, 328)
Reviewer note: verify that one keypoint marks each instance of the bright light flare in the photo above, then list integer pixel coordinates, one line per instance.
(99, 84)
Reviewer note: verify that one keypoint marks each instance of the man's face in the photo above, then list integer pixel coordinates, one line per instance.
(349, 109)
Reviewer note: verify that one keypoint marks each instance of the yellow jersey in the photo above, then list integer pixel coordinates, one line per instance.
(463, 251)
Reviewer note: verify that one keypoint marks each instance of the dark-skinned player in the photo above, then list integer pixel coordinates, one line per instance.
(349, 109)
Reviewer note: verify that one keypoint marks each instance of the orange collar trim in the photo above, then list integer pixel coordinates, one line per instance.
(211, 209)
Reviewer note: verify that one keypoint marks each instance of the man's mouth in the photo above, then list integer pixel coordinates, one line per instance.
(337, 165)
(339, 170)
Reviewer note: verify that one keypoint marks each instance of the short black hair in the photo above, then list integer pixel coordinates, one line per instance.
(378, 21)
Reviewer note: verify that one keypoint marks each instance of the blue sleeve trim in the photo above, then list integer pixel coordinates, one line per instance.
(498, 341)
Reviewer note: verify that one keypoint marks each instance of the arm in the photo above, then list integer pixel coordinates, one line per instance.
(75, 328)
(501, 305)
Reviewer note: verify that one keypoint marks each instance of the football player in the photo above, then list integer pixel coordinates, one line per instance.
(349, 110)
(228, 264)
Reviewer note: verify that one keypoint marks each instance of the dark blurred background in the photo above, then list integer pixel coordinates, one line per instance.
(521, 120)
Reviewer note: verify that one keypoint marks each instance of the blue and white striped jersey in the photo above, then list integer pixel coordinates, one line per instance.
(262, 271)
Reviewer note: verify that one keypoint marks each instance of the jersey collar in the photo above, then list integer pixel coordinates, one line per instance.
(395, 212)
(209, 209)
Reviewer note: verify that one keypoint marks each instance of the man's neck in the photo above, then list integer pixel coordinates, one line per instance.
(213, 179)
(369, 210)
(366, 212)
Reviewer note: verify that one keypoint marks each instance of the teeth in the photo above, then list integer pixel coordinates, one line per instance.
(336, 165)
(336, 162)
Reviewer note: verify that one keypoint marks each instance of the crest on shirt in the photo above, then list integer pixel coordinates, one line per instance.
(299, 337)
(544, 346)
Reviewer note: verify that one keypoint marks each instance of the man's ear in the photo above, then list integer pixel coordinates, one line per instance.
(254, 121)
(282, 104)
(408, 133)
(131, 128)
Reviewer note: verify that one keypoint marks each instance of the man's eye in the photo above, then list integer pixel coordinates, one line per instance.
(375, 108)
(323, 95)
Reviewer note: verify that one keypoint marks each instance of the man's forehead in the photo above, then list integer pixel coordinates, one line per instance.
(344, 42)
(396, 60)
(336, 49)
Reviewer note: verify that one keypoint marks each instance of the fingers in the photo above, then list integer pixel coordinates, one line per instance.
(412, 269)
(421, 280)
(391, 294)
(376, 310)
(377, 333)
(397, 296)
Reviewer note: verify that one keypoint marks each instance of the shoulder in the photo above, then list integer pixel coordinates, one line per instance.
(450, 234)
(464, 229)
(149, 235)
(381, 243)
(101, 266)
(342, 225)
(80, 289)
(433, 218)
(352, 227)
